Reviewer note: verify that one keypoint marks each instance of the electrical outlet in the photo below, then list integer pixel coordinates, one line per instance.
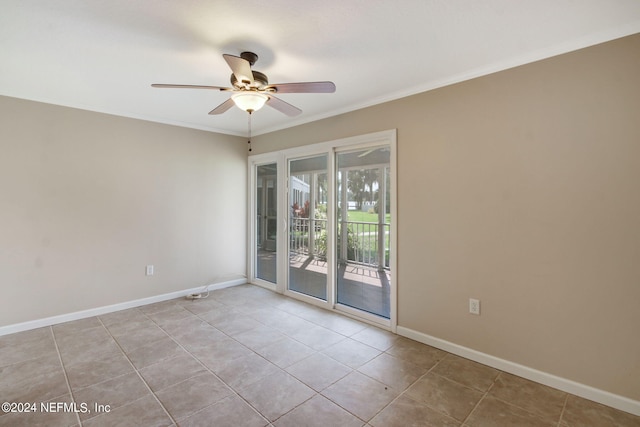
(149, 270)
(474, 306)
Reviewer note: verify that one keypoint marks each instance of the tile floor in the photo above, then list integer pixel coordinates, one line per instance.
(248, 357)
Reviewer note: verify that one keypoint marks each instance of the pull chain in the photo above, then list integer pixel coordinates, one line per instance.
(249, 124)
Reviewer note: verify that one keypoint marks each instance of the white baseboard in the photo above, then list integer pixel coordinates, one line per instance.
(54, 320)
(578, 389)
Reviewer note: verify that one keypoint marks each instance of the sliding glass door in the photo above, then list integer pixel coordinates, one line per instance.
(307, 230)
(266, 221)
(363, 227)
(323, 225)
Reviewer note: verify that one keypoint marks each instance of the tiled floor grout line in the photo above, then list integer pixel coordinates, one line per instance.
(514, 405)
(385, 385)
(200, 362)
(320, 352)
(340, 406)
(484, 395)
(64, 371)
(539, 417)
(115, 342)
(475, 407)
(136, 370)
(315, 352)
(394, 399)
(408, 387)
(264, 324)
(352, 370)
(298, 405)
(259, 355)
(284, 369)
(197, 315)
(233, 390)
(316, 393)
(564, 406)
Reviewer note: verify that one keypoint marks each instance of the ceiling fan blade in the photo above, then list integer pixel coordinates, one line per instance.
(304, 87)
(222, 107)
(189, 86)
(241, 68)
(283, 107)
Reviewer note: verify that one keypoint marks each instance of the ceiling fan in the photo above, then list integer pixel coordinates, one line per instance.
(251, 89)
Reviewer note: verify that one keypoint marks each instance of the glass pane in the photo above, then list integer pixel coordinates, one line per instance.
(363, 224)
(308, 226)
(266, 222)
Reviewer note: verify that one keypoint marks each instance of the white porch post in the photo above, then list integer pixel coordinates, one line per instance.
(312, 221)
(382, 206)
(344, 216)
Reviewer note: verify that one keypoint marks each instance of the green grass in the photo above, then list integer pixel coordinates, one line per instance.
(366, 217)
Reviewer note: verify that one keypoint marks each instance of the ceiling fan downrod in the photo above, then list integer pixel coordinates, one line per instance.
(249, 125)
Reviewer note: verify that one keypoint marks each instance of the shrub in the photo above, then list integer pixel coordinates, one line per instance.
(300, 212)
(352, 244)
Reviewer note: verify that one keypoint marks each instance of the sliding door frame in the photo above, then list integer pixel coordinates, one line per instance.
(252, 247)
(291, 156)
(282, 158)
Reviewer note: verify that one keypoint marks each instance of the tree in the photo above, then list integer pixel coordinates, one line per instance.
(370, 177)
(360, 183)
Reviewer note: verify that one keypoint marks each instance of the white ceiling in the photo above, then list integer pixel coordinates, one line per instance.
(103, 55)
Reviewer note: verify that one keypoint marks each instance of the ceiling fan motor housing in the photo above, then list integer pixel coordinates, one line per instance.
(250, 57)
(260, 81)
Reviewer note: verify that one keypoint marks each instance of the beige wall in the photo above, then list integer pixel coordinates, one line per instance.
(522, 189)
(87, 200)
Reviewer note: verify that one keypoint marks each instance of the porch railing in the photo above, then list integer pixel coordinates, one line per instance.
(364, 244)
(304, 242)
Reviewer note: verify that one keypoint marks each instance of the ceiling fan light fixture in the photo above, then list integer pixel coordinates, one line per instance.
(249, 101)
